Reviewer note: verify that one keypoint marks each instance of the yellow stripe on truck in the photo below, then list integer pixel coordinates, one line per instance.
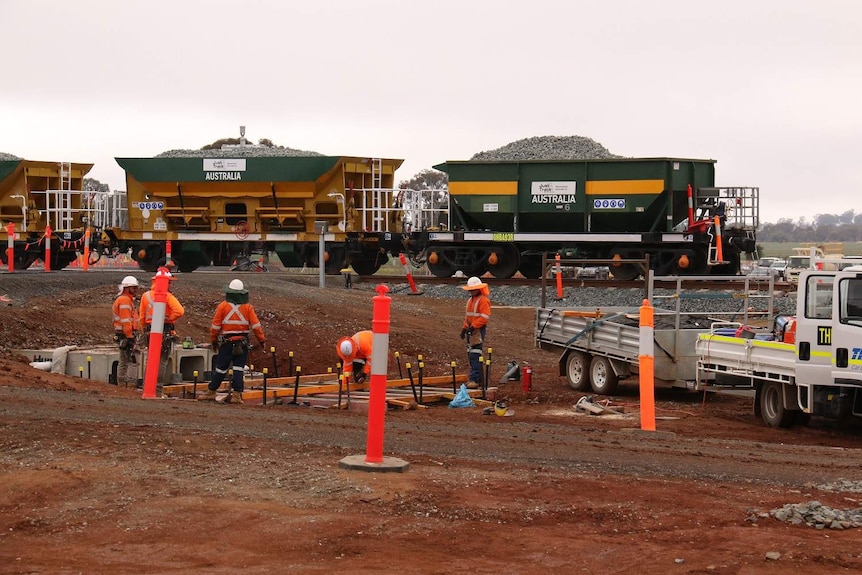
(620, 187)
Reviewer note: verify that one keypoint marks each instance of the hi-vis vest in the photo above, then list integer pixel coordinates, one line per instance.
(173, 308)
(124, 315)
(478, 312)
(235, 320)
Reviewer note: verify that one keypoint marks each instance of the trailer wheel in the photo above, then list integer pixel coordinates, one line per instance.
(602, 376)
(578, 370)
(772, 408)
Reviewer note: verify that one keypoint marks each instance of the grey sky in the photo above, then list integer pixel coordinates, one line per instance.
(771, 89)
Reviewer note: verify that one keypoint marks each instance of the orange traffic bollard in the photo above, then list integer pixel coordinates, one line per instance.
(379, 369)
(157, 328)
(48, 233)
(719, 255)
(559, 271)
(10, 247)
(412, 283)
(87, 249)
(646, 363)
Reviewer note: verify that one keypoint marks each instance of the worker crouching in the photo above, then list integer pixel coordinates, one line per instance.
(355, 354)
(234, 319)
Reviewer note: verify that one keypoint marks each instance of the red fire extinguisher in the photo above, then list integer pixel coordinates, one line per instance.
(527, 378)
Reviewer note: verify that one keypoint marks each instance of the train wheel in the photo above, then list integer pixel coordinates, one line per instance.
(624, 272)
(62, 259)
(531, 267)
(731, 268)
(578, 370)
(441, 269)
(621, 271)
(366, 266)
(696, 263)
(336, 261)
(503, 261)
(23, 261)
(602, 377)
(186, 266)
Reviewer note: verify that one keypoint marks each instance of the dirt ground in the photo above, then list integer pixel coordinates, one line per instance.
(97, 480)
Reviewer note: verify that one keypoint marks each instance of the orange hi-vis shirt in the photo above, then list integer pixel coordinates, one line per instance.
(478, 311)
(235, 320)
(363, 341)
(125, 319)
(174, 310)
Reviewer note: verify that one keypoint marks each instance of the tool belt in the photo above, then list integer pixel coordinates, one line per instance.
(239, 343)
(169, 336)
(168, 328)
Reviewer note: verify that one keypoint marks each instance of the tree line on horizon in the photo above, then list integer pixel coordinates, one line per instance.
(845, 227)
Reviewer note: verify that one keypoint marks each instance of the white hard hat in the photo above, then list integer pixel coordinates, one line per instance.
(163, 272)
(129, 281)
(236, 285)
(474, 283)
(346, 347)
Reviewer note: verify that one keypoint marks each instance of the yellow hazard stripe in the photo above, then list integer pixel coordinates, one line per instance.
(624, 187)
(483, 188)
(753, 342)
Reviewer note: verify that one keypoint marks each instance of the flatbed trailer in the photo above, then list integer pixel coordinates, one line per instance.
(599, 347)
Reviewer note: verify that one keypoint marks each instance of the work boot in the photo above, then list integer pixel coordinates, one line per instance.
(473, 385)
(208, 395)
(236, 397)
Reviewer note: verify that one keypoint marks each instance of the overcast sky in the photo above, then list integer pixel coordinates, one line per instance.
(771, 89)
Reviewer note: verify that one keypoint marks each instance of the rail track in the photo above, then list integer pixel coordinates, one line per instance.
(723, 283)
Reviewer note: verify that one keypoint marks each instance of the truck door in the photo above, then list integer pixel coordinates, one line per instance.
(847, 332)
(814, 331)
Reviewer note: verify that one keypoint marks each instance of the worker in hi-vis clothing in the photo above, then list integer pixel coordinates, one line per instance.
(355, 354)
(234, 319)
(174, 310)
(126, 330)
(475, 325)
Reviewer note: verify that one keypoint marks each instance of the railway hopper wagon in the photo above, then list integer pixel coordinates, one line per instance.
(42, 201)
(504, 215)
(216, 210)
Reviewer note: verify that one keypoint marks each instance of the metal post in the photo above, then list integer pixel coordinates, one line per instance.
(320, 227)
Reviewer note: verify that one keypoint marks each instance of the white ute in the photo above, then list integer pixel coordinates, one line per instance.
(810, 364)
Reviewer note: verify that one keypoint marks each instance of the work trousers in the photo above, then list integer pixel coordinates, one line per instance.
(224, 360)
(168, 339)
(126, 360)
(474, 352)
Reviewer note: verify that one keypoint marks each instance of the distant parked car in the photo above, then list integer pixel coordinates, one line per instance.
(850, 261)
(779, 270)
(769, 266)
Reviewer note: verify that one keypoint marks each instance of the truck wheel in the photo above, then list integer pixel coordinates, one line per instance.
(772, 408)
(602, 376)
(577, 370)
